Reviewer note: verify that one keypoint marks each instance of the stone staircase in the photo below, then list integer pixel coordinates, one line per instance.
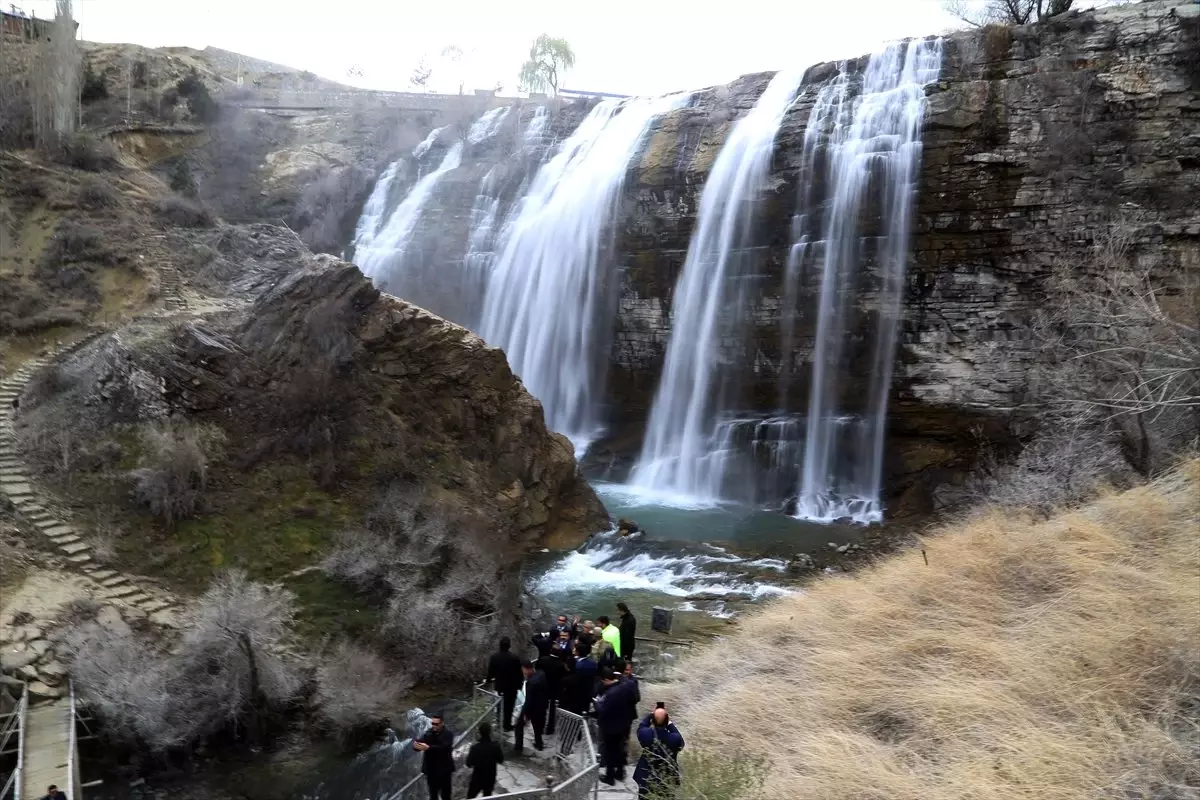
(16, 482)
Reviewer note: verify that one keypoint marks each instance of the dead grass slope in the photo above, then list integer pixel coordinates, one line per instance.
(1056, 661)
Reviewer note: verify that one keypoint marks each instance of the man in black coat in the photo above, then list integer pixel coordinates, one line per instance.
(583, 679)
(556, 672)
(482, 758)
(438, 762)
(537, 702)
(628, 629)
(504, 670)
(615, 711)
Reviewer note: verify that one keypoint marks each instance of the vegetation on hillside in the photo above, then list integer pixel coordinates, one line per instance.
(1024, 660)
(549, 58)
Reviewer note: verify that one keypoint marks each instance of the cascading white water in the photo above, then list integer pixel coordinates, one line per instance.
(873, 151)
(487, 125)
(551, 295)
(371, 218)
(379, 251)
(681, 458)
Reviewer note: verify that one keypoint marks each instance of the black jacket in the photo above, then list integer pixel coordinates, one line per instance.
(628, 633)
(616, 709)
(583, 685)
(483, 757)
(439, 758)
(537, 693)
(504, 667)
(555, 671)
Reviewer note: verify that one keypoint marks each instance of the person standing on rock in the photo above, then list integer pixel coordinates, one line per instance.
(437, 764)
(483, 758)
(537, 703)
(504, 671)
(628, 631)
(611, 634)
(657, 770)
(615, 709)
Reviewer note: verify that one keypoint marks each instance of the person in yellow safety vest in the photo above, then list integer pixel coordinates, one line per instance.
(611, 634)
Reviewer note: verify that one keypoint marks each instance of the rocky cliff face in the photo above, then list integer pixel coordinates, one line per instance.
(1038, 142)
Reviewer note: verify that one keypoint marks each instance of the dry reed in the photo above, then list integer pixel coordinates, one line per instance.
(1057, 661)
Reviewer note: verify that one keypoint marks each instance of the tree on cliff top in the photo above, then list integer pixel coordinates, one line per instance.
(549, 58)
(1006, 12)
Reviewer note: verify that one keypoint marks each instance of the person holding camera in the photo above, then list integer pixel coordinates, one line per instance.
(657, 770)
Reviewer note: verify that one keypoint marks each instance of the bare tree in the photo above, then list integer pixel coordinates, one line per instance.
(357, 691)
(230, 668)
(55, 80)
(1006, 12)
(421, 75)
(173, 471)
(1122, 342)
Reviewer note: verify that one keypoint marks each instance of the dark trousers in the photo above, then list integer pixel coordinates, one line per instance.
(510, 702)
(439, 785)
(614, 754)
(481, 787)
(550, 716)
(537, 719)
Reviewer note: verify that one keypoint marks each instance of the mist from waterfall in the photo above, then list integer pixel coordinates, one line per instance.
(683, 456)
(552, 292)
(868, 150)
(381, 241)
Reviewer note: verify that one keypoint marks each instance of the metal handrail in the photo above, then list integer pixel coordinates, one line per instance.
(15, 780)
(493, 706)
(72, 761)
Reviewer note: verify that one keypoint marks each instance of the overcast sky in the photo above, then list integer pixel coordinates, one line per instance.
(622, 46)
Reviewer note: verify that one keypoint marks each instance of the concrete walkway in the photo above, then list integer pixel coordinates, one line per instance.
(47, 748)
(33, 504)
(531, 768)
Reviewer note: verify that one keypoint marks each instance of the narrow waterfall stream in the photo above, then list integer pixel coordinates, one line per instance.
(872, 153)
(551, 301)
(681, 455)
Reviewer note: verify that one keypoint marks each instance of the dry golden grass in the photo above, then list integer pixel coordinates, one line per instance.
(1056, 661)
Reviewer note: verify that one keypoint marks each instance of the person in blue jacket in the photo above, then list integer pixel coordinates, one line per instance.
(657, 771)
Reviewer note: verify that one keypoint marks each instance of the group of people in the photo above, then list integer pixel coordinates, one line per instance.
(586, 669)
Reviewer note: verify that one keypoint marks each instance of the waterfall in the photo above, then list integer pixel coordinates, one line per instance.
(552, 294)
(379, 252)
(871, 148)
(487, 125)
(682, 455)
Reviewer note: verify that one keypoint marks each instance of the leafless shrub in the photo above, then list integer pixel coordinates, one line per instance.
(87, 152)
(81, 610)
(95, 194)
(357, 692)
(77, 241)
(229, 672)
(184, 212)
(1121, 342)
(443, 594)
(49, 381)
(1063, 467)
(1005, 12)
(173, 470)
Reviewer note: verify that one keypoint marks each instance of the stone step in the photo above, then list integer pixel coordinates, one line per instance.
(100, 574)
(137, 599)
(13, 476)
(115, 592)
(71, 548)
(155, 605)
(66, 538)
(57, 530)
(17, 489)
(80, 558)
(39, 516)
(113, 580)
